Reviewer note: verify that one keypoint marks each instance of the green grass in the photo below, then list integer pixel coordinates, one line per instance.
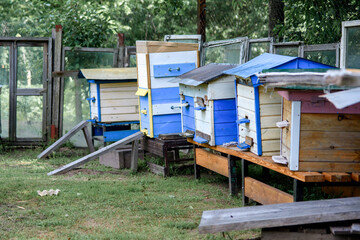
(101, 203)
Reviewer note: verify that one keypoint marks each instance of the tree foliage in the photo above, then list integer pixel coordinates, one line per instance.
(317, 22)
(95, 23)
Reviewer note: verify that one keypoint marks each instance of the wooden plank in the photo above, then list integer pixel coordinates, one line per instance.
(330, 140)
(157, 169)
(71, 73)
(330, 122)
(271, 235)
(265, 194)
(337, 177)
(158, 46)
(63, 139)
(94, 155)
(331, 155)
(88, 139)
(265, 162)
(212, 161)
(134, 155)
(119, 102)
(284, 214)
(329, 166)
(55, 121)
(355, 176)
(120, 118)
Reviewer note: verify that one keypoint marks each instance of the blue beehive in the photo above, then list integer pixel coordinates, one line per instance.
(157, 63)
(258, 111)
(114, 110)
(208, 104)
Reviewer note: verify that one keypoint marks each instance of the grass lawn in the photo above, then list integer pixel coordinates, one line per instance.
(97, 202)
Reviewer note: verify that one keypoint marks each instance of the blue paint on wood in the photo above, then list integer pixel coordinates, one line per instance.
(224, 104)
(225, 129)
(114, 136)
(98, 98)
(225, 121)
(237, 113)
(257, 121)
(200, 140)
(165, 124)
(243, 146)
(188, 114)
(117, 123)
(172, 70)
(89, 103)
(225, 116)
(242, 121)
(144, 118)
(165, 95)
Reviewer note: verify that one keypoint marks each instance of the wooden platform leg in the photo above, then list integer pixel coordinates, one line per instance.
(134, 155)
(298, 188)
(88, 139)
(196, 167)
(233, 182)
(244, 173)
(166, 159)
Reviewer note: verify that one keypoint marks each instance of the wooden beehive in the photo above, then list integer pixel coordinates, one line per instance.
(208, 104)
(157, 64)
(259, 110)
(319, 137)
(112, 94)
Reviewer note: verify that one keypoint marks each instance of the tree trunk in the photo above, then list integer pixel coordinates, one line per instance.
(276, 15)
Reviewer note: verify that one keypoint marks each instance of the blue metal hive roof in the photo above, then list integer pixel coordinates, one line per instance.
(255, 65)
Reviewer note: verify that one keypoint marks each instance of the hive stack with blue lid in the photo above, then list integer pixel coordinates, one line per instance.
(114, 110)
(259, 110)
(157, 64)
(208, 104)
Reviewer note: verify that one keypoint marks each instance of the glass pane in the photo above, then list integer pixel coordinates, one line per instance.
(29, 112)
(326, 57)
(4, 91)
(76, 108)
(132, 61)
(288, 51)
(256, 49)
(232, 53)
(352, 47)
(30, 67)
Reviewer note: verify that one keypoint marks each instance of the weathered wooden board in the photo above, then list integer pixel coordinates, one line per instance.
(64, 138)
(337, 177)
(158, 46)
(212, 161)
(355, 176)
(329, 166)
(265, 162)
(265, 194)
(285, 214)
(271, 235)
(134, 137)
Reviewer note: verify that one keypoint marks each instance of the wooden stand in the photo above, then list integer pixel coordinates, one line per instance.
(167, 147)
(256, 190)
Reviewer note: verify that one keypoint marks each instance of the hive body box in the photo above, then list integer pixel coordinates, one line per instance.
(259, 110)
(319, 136)
(157, 63)
(112, 99)
(208, 104)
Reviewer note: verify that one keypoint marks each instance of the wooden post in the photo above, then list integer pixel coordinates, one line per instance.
(55, 120)
(134, 155)
(88, 139)
(233, 183)
(121, 52)
(201, 19)
(244, 173)
(196, 167)
(298, 189)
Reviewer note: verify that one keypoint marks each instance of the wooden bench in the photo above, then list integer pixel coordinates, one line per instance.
(330, 214)
(254, 189)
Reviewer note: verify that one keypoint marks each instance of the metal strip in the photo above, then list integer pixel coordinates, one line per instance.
(295, 135)
(257, 121)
